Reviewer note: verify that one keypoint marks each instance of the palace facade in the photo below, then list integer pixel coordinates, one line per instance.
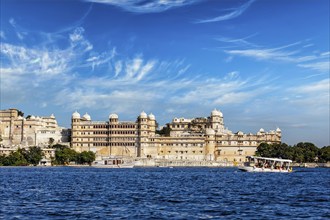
(203, 138)
(16, 131)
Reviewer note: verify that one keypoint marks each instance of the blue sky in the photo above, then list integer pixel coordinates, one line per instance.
(263, 63)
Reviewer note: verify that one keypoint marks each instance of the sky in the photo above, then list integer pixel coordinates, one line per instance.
(263, 63)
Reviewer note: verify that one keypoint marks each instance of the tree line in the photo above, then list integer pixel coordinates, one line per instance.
(32, 156)
(303, 152)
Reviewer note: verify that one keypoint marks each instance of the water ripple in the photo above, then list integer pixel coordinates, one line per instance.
(160, 193)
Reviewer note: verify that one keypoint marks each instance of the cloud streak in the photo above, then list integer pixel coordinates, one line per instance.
(317, 61)
(233, 14)
(142, 6)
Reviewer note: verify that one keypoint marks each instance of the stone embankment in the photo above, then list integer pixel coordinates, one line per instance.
(181, 163)
(311, 165)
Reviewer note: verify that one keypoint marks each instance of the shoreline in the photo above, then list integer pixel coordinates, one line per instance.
(171, 164)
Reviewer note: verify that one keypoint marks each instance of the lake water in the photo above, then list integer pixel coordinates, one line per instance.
(162, 193)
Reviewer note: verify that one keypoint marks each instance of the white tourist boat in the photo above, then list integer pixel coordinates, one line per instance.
(114, 162)
(264, 164)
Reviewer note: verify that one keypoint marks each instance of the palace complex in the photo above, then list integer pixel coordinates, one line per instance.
(196, 139)
(199, 139)
(17, 131)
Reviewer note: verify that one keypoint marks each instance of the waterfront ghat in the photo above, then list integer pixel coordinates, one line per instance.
(162, 193)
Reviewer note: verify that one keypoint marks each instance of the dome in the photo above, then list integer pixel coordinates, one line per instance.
(52, 116)
(278, 130)
(113, 116)
(32, 117)
(143, 115)
(19, 117)
(75, 115)
(151, 117)
(215, 112)
(240, 133)
(87, 117)
(210, 131)
(261, 130)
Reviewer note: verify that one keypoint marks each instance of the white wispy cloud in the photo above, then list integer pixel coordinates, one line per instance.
(230, 89)
(116, 96)
(318, 66)
(118, 68)
(49, 61)
(316, 61)
(142, 6)
(233, 14)
(321, 87)
(41, 67)
(96, 60)
(312, 98)
(237, 41)
(265, 54)
(235, 97)
(34, 61)
(2, 35)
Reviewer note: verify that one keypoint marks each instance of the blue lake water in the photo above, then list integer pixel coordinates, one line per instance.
(162, 193)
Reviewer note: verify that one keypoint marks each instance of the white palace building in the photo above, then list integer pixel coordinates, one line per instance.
(197, 139)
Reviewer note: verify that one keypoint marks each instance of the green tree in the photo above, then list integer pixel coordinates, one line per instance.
(324, 154)
(16, 158)
(64, 156)
(34, 155)
(264, 150)
(59, 146)
(165, 131)
(306, 152)
(86, 157)
(3, 160)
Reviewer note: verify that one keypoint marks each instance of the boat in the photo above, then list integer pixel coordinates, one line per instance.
(265, 164)
(114, 162)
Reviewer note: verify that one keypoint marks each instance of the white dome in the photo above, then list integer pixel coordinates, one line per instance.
(261, 130)
(151, 117)
(240, 133)
(52, 116)
(113, 116)
(75, 115)
(210, 131)
(87, 117)
(278, 130)
(143, 115)
(215, 112)
(32, 117)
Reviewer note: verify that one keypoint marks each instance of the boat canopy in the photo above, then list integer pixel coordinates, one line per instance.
(270, 159)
